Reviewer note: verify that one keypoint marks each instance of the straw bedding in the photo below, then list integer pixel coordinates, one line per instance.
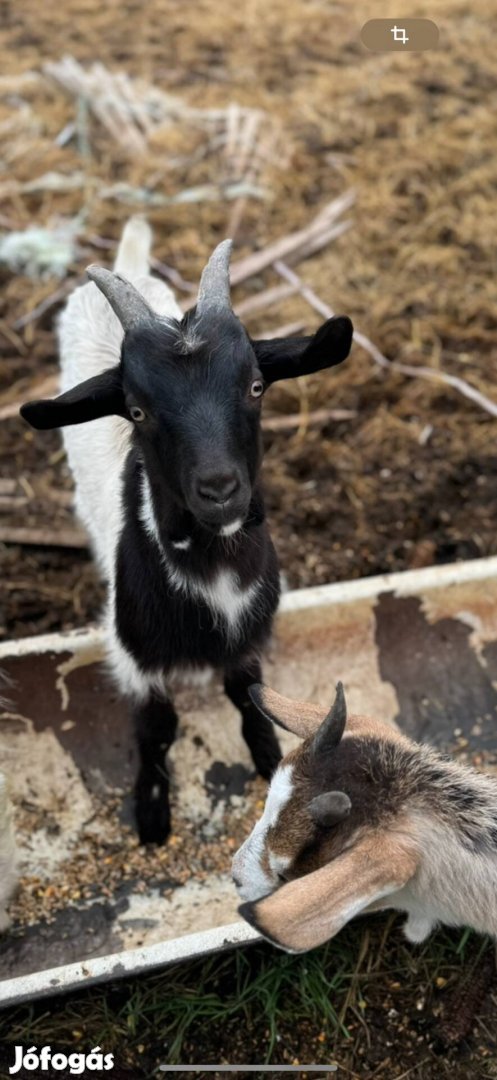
(409, 478)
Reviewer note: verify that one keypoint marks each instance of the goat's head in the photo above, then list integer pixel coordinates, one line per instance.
(330, 841)
(193, 389)
(306, 817)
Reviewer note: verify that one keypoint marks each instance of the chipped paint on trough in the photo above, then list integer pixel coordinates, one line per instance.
(90, 654)
(418, 649)
(402, 583)
(133, 962)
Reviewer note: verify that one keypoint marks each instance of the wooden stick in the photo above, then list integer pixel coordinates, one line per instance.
(295, 246)
(9, 503)
(59, 538)
(458, 384)
(413, 372)
(9, 333)
(47, 303)
(284, 331)
(264, 299)
(310, 238)
(61, 497)
(45, 388)
(303, 419)
(173, 276)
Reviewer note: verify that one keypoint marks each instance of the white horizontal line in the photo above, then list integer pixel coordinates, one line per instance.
(403, 583)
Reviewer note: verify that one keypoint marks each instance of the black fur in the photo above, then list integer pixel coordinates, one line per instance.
(285, 358)
(189, 388)
(99, 396)
(164, 629)
(155, 724)
(257, 731)
(159, 625)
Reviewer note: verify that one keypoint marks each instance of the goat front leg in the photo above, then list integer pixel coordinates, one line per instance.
(155, 725)
(257, 730)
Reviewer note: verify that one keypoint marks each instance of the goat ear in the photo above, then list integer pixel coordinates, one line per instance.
(99, 396)
(330, 733)
(285, 358)
(312, 909)
(329, 808)
(299, 717)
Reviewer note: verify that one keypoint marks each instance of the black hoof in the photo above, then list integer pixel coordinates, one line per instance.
(153, 815)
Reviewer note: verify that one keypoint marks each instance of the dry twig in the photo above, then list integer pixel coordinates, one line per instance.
(413, 372)
(295, 246)
(286, 330)
(11, 503)
(43, 537)
(303, 419)
(264, 299)
(41, 389)
(47, 303)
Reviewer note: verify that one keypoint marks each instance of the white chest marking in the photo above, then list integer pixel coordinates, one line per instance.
(230, 530)
(223, 595)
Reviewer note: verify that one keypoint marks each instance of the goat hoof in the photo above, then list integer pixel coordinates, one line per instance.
(153, 820)
(154, 827)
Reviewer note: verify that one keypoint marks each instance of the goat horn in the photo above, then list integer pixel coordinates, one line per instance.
(214, 288)
(329, 734)
(128, 304)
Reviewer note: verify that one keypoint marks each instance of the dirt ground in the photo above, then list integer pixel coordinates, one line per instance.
(410, 478)
(367, 1002)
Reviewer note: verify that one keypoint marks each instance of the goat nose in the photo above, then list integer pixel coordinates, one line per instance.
(218, 487)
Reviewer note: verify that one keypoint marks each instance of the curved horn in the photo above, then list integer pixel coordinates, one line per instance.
(128, 304)
(329, 734)
(214, 288)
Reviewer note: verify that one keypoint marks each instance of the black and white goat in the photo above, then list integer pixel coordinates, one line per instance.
(167, 484)
(360, 818)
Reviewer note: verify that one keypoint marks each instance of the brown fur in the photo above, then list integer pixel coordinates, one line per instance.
(354, 768)
(311, 909)
(418, 829)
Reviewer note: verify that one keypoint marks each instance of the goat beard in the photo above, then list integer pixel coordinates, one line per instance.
(186, 524)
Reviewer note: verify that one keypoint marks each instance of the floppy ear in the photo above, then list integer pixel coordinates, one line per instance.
(303, 718)
(312, 909)
(285, 358)
(299, 717)
(100, 396)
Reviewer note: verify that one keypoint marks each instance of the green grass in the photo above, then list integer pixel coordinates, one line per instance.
(273, 1004)
(244, 983)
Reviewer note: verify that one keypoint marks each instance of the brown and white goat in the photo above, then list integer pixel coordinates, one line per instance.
(360, 818)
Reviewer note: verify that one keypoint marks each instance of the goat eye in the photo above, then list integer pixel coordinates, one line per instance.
(257, 388)
(136, 413)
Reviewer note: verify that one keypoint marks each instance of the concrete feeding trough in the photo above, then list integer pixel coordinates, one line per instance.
(418, 649)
